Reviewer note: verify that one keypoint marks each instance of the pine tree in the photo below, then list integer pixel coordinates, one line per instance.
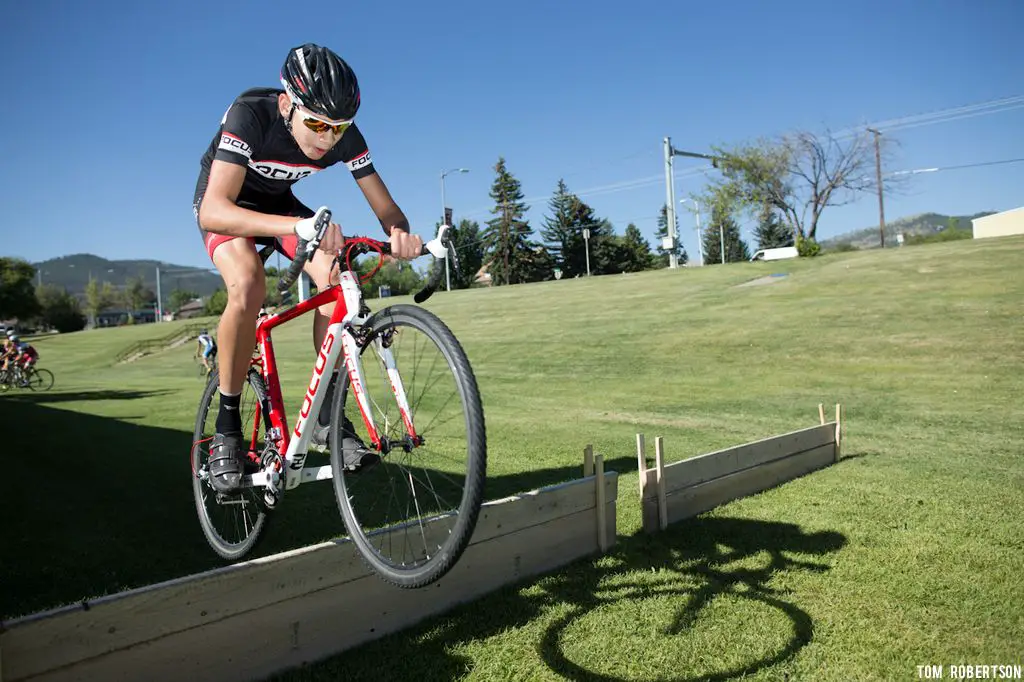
(564, 237)
(662, 258)
(469, 252)
(770, 232)
(636, 252)
(723, 226)
(507, 246)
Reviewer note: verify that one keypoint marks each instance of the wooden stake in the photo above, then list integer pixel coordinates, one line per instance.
(602, 521)
(588, 460)
(659, 463)
(641, 462)
(821, 413)
(839, 431)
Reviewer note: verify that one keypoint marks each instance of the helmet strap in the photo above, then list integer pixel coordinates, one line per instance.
(288, 121)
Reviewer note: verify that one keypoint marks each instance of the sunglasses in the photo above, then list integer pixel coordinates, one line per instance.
(319, 125)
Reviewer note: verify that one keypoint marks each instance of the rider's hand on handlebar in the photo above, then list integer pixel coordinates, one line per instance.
(404, 245)
(332, 241)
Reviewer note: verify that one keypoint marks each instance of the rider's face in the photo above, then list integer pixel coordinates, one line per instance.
(314, 144)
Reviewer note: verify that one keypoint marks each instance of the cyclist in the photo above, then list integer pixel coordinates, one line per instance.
(268, 140)
(208, 347)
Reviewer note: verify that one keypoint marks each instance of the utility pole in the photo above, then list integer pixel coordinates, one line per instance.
(670, 191)
(159, 299)
(878, 172)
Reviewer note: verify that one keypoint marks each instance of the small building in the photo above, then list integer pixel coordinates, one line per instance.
(999, 224)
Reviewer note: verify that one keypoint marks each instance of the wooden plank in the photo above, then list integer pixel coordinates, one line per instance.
(63, 636)
(325, 622)
(689, 472)
(701, 497)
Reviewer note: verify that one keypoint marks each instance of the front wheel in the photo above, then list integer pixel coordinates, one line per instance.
(40, 379)
(413, 513)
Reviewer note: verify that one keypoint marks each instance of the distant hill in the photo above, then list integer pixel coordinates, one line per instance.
(73, 273)
(923, 223)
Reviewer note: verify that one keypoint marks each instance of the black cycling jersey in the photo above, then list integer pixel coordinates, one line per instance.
(252, 134)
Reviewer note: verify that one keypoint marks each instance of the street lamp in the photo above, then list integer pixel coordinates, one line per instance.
(444, 215)
(700, 237)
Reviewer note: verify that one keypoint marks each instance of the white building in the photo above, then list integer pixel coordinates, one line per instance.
(999, 224)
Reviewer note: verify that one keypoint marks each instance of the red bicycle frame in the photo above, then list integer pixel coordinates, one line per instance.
(338, 340)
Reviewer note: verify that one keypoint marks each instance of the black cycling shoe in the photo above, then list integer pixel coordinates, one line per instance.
(226, 464)
(354, 452)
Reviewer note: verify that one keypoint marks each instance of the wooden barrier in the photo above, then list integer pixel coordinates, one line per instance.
(687, 488)
(253, 619)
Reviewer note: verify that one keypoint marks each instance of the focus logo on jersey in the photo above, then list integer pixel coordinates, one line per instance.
(234, 144)
(360, 161)
(276, 170)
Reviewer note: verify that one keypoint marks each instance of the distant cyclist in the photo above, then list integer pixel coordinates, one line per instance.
(268, 140)
(208, 347)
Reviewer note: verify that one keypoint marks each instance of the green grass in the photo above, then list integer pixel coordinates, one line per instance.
(909, 551)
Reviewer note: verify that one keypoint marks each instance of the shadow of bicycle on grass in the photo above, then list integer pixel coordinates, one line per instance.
(653, 600)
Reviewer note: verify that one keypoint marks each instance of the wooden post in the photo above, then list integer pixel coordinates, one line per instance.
(821, 413)
(839, 431)
(641, 462)
(588, 460)
(659, 464)
(602, 521)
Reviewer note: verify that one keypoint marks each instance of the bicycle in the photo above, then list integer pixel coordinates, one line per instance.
(33, 378)
(404, 426)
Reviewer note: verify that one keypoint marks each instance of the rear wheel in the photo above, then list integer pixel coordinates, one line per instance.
(232, 523)
(412, 514)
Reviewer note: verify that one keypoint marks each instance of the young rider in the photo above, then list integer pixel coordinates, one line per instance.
(269, 139)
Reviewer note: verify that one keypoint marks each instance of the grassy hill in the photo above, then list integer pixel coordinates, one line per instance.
(908, 551)
(921, 224)
(73, 273)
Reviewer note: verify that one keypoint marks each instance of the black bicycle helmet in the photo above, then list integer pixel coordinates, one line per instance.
(321, 81)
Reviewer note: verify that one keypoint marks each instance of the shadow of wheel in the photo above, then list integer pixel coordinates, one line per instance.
(684, 623)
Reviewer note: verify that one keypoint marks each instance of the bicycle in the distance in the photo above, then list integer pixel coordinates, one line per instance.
(406, 381)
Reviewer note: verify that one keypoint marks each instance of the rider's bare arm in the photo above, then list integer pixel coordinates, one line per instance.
(404, 244)
(219, 213)
(383, 205)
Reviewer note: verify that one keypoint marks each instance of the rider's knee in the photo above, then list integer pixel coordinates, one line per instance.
(247, 293)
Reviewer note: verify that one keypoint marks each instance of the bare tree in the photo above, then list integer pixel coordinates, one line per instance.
(800, 174)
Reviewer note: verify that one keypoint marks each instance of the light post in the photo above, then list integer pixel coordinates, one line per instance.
(586, 247)
(444, 215)
(700, 237)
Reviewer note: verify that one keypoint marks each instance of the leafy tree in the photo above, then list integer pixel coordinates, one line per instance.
(799, 175)
(662, 259)
(507, 244)
(97, 298)
(59, 309)
(180, 297)
(217, 301)
(17, 293)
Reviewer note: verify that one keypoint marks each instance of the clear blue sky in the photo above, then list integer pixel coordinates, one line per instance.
(111, 104)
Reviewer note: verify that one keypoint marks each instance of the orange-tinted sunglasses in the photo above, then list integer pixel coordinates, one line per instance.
(319, 125)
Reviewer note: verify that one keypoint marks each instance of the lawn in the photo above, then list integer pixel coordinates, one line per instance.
(908, 552)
